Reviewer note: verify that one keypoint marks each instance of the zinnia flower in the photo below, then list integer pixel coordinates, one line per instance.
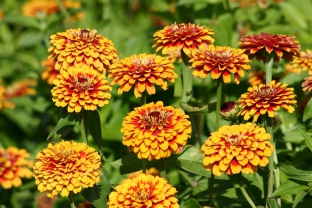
(32, 8)
(237, 148)
(143, 191)
(49, 72)
(143, 71)
(256, 77)
(152, 171)
(186, 37)
(267, 98)
(43, 201)
(220, 60)
(4, 102)
(307, 84)
(302, 63)
(80, 47)
(21, 88)
(14, 166)
(65, 167)
(229, 111)
(153, 131)
(260, 46)
(80, 88)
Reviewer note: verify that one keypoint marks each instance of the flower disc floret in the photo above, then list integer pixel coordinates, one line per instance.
(80, 88)
(66, 167)
(153, 131)
(186, 37)
(267, 99)
(80, 47)
(220, 60)
(14, 166)
(143, 191)
(142, 71)
(276, 45)
(237, 148)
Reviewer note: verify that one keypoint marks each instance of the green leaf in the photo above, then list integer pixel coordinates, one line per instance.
(190, 160)
(307, 139)
(97, 195)
(273, 203)
(300, 196)
(307, 113)
(23, 21)
(290, 187)
(95, 128)
(64, 125)
(190, 203)
(292, 172)
(293, 15)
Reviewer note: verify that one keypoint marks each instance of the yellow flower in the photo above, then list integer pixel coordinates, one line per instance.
(153, 131)
(65, 167)
(152, 171)
(4, 102)
(237, 148)
(260, 46)
(143, 191)
(186, 37)
(256, 77)
(81, 47)
(143, 71)
(80, 88)
(49, 72)
(267, 98)
(14, 166)
(220, 60)
(21, 88)
(302, 63)
(307, 84)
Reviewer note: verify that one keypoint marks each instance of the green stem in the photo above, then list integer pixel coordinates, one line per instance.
(162, 168)
(13, 200)
(188, 179)
(144, 166)
(72, 200)
(84, 125)
(187, 79)
(64, 12)
(242, 188)
(143, 98)
(268, 69)
(218, 107)
(276, 174)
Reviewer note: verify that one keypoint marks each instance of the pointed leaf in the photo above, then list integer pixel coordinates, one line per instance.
(97, 195)
(273, 203)
(292, 172)
(307, 139)
(95, 128)
(307, 113)
(290, 187)
(190, 203)
(23, 21)
(300, 196)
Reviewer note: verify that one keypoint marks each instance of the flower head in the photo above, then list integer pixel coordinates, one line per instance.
(21, 88)
(267, 98)
(186, 37)
(302, 63)
(143, 191)
(260, 46)
(49, 72)
(152, 171)
(14, 166)
(229, 111)
(4, 102)
(307, 84)
(143, 71)
(220, 60)
(153, 131)
(237, 148)
(256, 77)
(66, 166)
(80, 47)
(80, 88)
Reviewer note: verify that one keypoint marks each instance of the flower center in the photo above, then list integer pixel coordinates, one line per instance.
(140, 63)
(141, 196)
(86, 34)
(264, 92)
(156, 117)
(234, 139)
(83, 82)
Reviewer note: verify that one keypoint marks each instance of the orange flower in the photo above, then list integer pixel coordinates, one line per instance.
(4, 102)
(153, 131)
(256, 77)
(81, 47)
(302, 63)
(65, 167)
(220, 60)
(260, 46)
(143, 71)
(49, 72)
(143, 191)
(237, 148)
(32, 8)
(186, 37)
(14, 166)
(1, 14)
(267, 98)
(307, 84)
(21, 88)
(152, 171)
(43, 201)
(80, 88)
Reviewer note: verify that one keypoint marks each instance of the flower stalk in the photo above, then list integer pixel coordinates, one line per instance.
(242, 188)
(187, 78)
(72, 200)
(84, 125)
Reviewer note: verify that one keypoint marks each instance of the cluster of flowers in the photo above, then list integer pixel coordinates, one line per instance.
(81, 59)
